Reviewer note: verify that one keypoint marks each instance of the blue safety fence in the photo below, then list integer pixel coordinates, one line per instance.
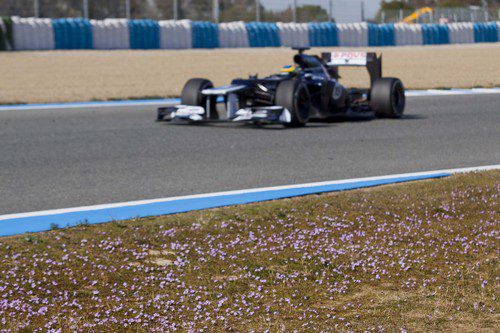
(144, 34)
(205, 35)
(381, 35)
(323, 34)
(485, 32)
(72, 34)
(262, 34)
(435, 34)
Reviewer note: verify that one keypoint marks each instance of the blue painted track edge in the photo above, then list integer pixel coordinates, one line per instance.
(39, 223)
(94, 103)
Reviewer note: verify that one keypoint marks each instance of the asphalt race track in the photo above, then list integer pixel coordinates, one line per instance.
(64, 158)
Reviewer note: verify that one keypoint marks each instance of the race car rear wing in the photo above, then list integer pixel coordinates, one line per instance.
(334, 60)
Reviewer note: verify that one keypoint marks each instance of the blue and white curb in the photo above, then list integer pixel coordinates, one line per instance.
(90, 105)
(450, 92)
(13, 224)
(173, 101)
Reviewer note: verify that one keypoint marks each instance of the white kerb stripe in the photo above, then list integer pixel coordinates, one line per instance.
(262, 189)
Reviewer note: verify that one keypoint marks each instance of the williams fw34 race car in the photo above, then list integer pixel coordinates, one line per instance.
(307, 90)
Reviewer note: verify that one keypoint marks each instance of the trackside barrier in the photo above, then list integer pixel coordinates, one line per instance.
(262, 34)
(144, 34)
(32, 33)
(407, 34)
(175, 34)
(293, 34)
(100, 35)
(381, 35)
(435, 34)
(110, 34)
(323, 34)
(386, 35)
(461, 33)
(486, 32)
(75, 33)
(205, 35)
(72, 34)
(353, 34)
(233, 34)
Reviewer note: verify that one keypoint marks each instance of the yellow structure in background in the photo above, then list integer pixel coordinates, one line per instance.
(415, 15)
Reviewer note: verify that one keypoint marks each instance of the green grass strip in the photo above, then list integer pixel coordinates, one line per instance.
(6, 36)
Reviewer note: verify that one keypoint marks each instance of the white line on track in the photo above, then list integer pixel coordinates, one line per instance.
(451, 92)
(245, 191)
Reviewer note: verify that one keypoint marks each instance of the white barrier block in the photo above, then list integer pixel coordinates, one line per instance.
(341, 34)
(32, 33)
(304, 35)
(18, 33)
(110, 34)
(175, 34)
(120, 32)
(233, 34)
(469, 34)
(98, 34)
(401, 32)
(49, 41)
(225, 35)
(416, 36)
(345, 34)
(361, 33)
(294, 34)
(461, 33)
(284, 34)
(408, 34)
(240, 34)
(353, 34)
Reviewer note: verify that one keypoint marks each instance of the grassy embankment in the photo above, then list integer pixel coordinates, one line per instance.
(420, 256)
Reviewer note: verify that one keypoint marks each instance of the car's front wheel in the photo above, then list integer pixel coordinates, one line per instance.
(191, 95)
(294, 96)
(387, 97)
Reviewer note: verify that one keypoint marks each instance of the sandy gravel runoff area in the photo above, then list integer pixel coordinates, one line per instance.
(64, 76)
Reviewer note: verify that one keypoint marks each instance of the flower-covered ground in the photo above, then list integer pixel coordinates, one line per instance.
(418, 256)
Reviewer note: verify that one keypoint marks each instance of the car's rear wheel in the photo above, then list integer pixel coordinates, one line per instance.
(191, 95)
(294, 96)
(387, 98)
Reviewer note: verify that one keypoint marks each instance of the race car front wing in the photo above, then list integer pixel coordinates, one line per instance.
(229, 97)
(261, 114)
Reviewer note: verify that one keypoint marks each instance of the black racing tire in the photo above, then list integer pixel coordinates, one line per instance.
(294, 96)
(387, 97)
(191, 95)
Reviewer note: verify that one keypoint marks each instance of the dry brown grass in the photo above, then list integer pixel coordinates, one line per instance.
(62, 76)
(417, 257)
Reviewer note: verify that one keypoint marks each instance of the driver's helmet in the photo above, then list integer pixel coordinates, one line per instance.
(289, 69)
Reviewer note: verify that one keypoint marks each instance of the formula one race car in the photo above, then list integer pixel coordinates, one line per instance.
(299, 93)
